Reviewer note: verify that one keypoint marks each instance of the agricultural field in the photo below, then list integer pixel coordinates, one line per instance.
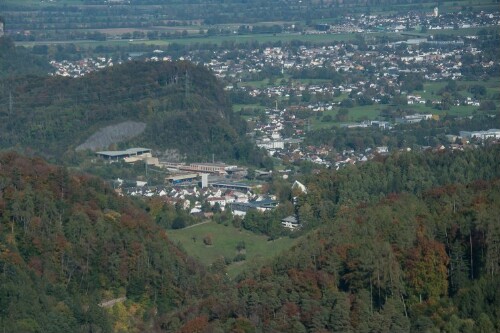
(225, 240)
(263, 38)
(188, 23)
(193, 39)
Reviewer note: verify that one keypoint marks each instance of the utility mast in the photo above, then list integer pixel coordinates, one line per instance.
(10, 103)
(187, 85)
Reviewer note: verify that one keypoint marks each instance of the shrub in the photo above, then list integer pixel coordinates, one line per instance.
(208, 239)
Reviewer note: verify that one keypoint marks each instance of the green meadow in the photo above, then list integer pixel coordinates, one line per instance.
(224, 242)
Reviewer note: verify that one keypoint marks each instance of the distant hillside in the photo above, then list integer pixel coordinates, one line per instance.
(183, 106)
(69, 243)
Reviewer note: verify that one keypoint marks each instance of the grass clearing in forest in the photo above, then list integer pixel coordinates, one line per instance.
(238, 107)
(224, 241)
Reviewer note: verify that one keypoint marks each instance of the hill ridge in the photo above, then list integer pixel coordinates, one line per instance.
(54, 115)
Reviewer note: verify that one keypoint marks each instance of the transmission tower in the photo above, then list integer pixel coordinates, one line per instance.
(187, 85)
(10, 103)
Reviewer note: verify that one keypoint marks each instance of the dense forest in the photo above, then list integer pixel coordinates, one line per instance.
(409, 243)
(414, 173)
(68, 243)
(406, 243)
(400, 264)
(183, 105)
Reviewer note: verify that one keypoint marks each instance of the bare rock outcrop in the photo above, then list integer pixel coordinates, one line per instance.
(113, 134)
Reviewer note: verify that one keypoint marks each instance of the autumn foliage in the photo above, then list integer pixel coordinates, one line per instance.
(67, 239)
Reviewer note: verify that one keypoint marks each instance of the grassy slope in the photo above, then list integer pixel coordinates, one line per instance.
(225, 238)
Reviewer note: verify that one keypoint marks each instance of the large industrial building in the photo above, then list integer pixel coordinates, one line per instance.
(214, 168)
(115, 155)
(182, 178)
(482, 135)
(414, 118)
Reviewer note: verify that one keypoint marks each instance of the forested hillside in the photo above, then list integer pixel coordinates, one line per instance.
(401, 264)
(409, 244)
(414, 173)
(68, 243)
(183, 106)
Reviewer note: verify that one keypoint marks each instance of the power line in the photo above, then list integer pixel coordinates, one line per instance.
(10, 103)
(187, 85)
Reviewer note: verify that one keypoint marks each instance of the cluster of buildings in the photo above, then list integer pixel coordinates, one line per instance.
(199, 193)
(196, 186)
(81, 67)
(194, 197)
(192, 185)
(386, 61)
(481, 135)
(203, 201)
(291, 149)
(411, 21)
(84, 66)
(414, 21)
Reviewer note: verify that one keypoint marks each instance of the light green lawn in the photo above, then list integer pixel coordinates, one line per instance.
(225, 238)
(255, 84)
(238, 107)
